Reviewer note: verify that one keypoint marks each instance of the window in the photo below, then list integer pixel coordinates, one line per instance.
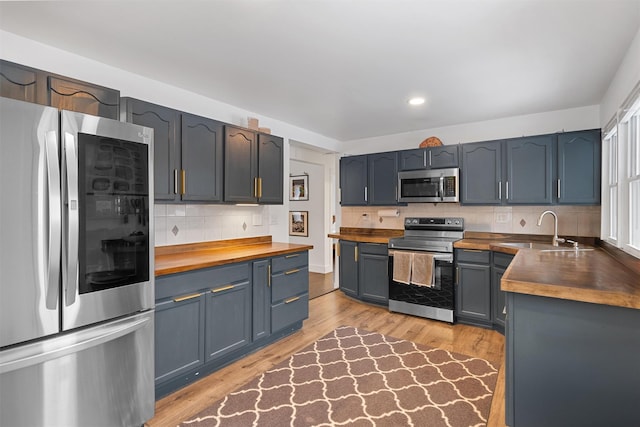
(621, 176)
(634, 179)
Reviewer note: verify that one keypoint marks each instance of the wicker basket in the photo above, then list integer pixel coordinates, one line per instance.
(432, 141)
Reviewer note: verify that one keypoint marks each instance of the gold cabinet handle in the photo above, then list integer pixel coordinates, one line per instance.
(356, 253)
(269, 275)
(259, 187)
(292, 271)
(291, 300)
(255, 187)
(292, 256)
(186, 297)
(183, 178)
(472, 250)
(223, 288)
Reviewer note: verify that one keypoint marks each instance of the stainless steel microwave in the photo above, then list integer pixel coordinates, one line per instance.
(429, 185)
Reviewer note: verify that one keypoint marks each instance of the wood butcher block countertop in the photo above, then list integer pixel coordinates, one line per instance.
(367, 235)
(600, 276)
(181, 258)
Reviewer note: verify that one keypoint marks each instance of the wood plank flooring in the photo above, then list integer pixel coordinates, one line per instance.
(320, 284)
(325, 314)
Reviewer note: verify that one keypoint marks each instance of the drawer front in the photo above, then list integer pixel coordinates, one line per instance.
(473, 255)
(289, 311)
(202, 279)
(290, 261)
(289, 283)
(373, 248)
(501, 260)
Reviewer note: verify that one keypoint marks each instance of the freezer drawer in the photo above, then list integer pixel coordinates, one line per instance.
(98, 376)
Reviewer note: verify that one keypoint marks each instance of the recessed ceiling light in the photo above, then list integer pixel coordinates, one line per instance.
(416, 101)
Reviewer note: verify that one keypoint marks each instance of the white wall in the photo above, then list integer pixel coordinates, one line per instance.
(511, 127)
(627, 76)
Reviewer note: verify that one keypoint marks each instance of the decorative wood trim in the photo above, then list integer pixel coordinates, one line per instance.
(621, 256)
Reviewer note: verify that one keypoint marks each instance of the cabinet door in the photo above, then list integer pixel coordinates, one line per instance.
(349, 267)
(166, 154)
(228, 319)
(481, 173)
(383, 179)
(579, 167)
(529, 170)
(74, 95)
(201, 154)
(353, 181)
(179, 336)
(473, 297)
(261, 284)
(412, 159)
(270, 167)
(22, 83)
(373, 275)
(240, 165)
(443, 157)
(498, 298)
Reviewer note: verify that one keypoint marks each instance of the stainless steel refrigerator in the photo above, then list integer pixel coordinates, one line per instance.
(76, 269)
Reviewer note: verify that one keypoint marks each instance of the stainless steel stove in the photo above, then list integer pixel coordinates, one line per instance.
(434, 236)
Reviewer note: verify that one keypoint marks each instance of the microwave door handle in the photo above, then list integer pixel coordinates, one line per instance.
(441, 189)
(72, 218)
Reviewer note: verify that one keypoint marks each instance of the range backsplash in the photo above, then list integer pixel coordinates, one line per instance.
(572, 220)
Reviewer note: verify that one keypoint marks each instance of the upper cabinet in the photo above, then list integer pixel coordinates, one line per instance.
(22, 83)
(37, 86)
(188, 152)
(578, 163)
(445, 156)
(548, 169)
(481, 173)
(253, 167)
(529, 170)
(369, 179)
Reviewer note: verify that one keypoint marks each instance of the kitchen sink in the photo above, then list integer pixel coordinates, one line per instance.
(545, 247)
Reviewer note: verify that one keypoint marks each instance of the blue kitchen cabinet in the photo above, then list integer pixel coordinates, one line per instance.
(579, 167)
(445, 156)
(364, 271)
(529, 170)
(369, 180)
(473, 287)
(481, 173)
(261, 288)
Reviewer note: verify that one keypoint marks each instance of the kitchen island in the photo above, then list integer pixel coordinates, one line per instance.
(218, 301)
(572, 335)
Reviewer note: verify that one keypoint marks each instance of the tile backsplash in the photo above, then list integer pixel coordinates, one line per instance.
(572, 220)
(180, 223)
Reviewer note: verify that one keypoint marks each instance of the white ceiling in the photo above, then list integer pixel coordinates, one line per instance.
(345, 68)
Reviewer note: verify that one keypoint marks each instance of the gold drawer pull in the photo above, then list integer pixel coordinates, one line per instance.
(472, 250)
(269, 275)
(224, 288)
(292, 271)
(292, 256)
(292, 300)
(186, 297)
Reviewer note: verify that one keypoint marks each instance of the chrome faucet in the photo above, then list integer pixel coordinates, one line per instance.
(555, 240)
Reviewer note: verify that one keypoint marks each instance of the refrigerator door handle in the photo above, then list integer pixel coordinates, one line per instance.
(72, 218)
(55, 219)
(40, 352)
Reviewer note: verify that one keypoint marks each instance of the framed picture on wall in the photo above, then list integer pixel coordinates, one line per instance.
(299, 223)
(299, 187)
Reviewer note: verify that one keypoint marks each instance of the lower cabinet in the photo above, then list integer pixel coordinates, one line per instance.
(208, 318)
(364, 271)
(479, 299)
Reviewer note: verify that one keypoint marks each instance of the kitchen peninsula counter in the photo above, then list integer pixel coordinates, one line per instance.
(367, 235)
(592, 276)
(181, 258)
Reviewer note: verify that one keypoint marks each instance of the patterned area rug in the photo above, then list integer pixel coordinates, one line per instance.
(358, 378)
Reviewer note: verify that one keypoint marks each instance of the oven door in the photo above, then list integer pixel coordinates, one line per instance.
(107, 260)
(441, 295)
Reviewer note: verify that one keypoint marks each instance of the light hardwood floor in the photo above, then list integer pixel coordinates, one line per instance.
(320, 284)
(325, 314)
